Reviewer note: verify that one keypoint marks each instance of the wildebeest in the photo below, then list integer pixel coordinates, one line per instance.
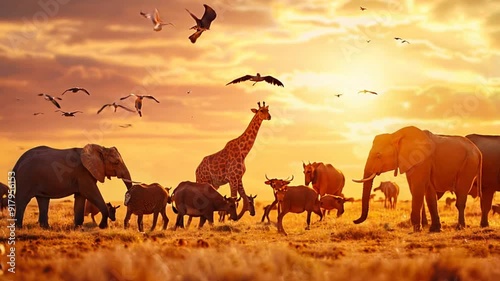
(449, 201)
(276, 184)
(145, 199)
(391, 192)
(496, 209)
(200, 200)
(93, 210)
(297, 199)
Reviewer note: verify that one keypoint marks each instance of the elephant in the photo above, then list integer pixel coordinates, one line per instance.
(433, 165)
(44, 173)
(490, 148)
(391, 192)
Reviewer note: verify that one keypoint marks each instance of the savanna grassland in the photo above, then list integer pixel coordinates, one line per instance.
(382, 248)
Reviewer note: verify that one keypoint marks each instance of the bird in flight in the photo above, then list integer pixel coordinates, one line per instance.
(138, 101)
(126, 125)
(257, 78)
(368, 41)
(338, 95)
(51, 99)
(115, 106)
(76, 89)
(398, 38)
(367, 92)
(68, 114)
(155, 18)
(362, 8)
(189, 91)
(202, 24)
(37, 113)
(405, 41)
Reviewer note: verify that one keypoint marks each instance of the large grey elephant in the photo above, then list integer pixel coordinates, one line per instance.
(490, 148)
(44, 172)
(433, 165)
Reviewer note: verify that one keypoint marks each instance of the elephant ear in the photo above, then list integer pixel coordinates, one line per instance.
(413, 146)
(92, 160)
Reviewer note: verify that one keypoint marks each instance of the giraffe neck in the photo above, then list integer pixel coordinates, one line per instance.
(247, 139)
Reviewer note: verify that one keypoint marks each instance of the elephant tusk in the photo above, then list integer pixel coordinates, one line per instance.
(131, 181)
(367, 179)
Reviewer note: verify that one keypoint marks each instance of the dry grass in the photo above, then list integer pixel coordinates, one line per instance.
(382, 248)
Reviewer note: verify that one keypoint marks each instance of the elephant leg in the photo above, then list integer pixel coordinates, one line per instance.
(395, 201)
(179, 222)
(460, 204)
(127, 219)
(43, 211)
(155, 219)
(309, 219)
(20, 208)
(189, 221)
(486, 200)
(79, 207)
(431, 199)
(424, 217)
(165, 218)
(139, 223)
(202, 221)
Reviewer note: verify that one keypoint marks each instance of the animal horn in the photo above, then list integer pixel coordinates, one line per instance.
(291, 178)
(267, 178)
(258, 103)
(264, 103)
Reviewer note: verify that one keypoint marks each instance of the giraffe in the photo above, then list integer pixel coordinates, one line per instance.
(228, 164)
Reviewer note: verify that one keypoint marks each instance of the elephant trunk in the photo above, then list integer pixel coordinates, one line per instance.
(367, 188)
(127, 180)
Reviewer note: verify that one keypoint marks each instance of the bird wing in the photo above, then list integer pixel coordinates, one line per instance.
(208, 17)
(42, 94)
(104, 106)
(272, 80)
(198, 21)
(127, 96)
(73, 112)
(156, 18)
(128, 109)
(85, 90)
(241, 79)
(397, 38)
(65, 91)
(55, 103)
(195, 36)
(372, 92)
(151, 97)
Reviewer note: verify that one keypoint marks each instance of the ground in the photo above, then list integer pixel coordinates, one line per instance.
(382, 248)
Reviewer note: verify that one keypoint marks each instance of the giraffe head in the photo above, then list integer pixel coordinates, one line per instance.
(263, 112)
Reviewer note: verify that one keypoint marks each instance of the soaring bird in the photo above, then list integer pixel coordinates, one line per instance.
(405, 41)
(126, 125)
(367, 92)
(138, 101)
(257, 78)
(398, 38)
(368, 41)
(338, 95)
(76, 89)
(202, 24)
(115, 106)
(51, 99)
(68, 114)
(37, 113)
(155, 18)
(362, 8)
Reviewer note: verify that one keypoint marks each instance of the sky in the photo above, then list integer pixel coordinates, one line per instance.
(447, 80)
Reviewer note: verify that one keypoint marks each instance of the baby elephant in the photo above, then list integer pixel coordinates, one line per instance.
(200, 200)
(297, 199)
(93, 210)
(146, 199)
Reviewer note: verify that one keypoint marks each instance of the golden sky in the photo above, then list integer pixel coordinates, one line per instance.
(447, 80)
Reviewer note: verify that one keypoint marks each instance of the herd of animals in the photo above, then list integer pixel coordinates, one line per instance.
(433, 164)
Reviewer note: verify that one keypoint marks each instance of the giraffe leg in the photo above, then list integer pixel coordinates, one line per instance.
(237, 188)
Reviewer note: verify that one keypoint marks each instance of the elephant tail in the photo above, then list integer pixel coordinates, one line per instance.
(174, 209)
